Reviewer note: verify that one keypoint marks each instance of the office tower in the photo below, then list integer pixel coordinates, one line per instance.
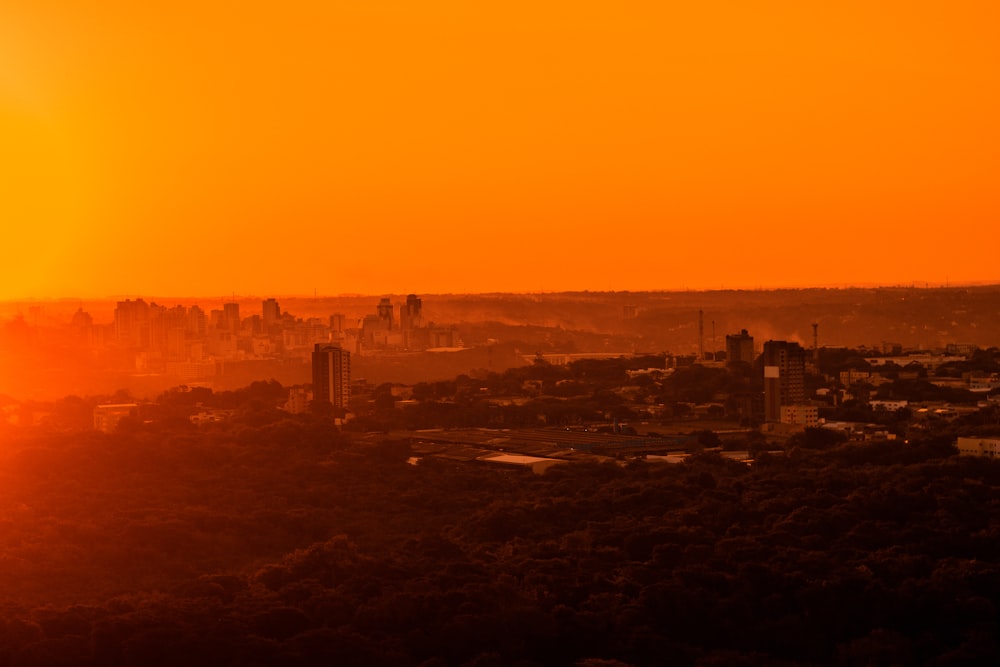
(739, 348)
(131, 326)
(385, 312)
(271, 313)
(168, 330)
(196, 321)
(411, 314)
(231, 316)
(784, 377)
(81, 319)
(331, 374)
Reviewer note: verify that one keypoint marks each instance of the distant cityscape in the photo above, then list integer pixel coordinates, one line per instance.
(188, 343)
(779, 393)
(349, 364)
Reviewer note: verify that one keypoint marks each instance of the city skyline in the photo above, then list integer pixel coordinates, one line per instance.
(499, 333)
(349, 149)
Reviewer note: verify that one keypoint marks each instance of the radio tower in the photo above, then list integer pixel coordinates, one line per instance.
(701, 336)
(715, 347)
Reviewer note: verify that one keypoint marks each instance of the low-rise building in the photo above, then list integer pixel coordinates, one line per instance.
(851, 377)
(860, 432)
(190, 370)
(989, 447)
(106, 417)
(983, 382)
(889, 406)
(298, 401)
(210, 416)
(800, 415)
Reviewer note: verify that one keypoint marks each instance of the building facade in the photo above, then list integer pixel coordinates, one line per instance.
(270, 314)
(784, 377)
(106, 417)
(739, 348)
(800, 415)
(331, 375)
(989, 447)
(411, 314)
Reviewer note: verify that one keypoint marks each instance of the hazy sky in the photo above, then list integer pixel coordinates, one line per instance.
(204, 148)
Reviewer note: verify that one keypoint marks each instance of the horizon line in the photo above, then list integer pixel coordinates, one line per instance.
(917, 285)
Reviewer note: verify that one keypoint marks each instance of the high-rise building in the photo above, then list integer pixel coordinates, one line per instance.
(169, 331)
(131, 326)
(784, 377)
(271, 313)
(385, 312)
(231, 316)
(82, 326)
(410, 315)
(331, 375)
(196, 321)
(81, 319)
(739, 348)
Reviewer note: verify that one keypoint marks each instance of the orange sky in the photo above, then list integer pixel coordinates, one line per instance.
(204, 148)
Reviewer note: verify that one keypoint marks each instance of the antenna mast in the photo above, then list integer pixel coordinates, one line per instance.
(816, 343)
(701, 336)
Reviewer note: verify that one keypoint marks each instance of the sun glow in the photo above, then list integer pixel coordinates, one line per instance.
(435, 147)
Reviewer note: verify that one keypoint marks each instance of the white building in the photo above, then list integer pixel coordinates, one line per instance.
(979, 447)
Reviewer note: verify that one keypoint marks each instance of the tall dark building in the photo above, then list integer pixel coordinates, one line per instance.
(231, 316)
(410, 315)
(739, 348)
(271, 313)
(331, 375)
(784, 377)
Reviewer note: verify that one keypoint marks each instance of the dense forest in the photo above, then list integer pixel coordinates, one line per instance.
(283, 542)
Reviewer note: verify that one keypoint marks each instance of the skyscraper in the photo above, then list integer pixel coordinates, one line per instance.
(784, 377)
(196, 321)
(331, 375)
(271, 313)
(410, 315)
(385, 312)
(131, 326)
(231, 316)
